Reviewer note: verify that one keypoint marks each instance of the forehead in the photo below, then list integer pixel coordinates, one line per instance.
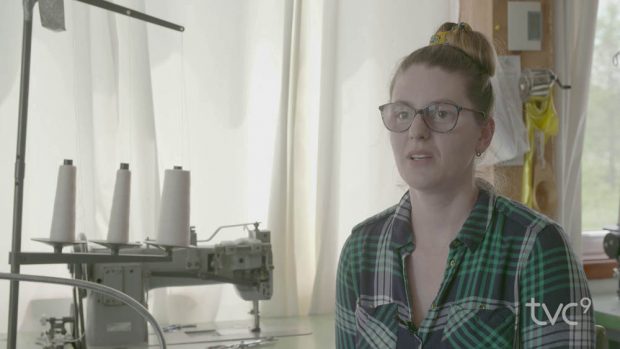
(420, 84)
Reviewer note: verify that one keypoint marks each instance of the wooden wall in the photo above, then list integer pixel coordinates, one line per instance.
(491, 18)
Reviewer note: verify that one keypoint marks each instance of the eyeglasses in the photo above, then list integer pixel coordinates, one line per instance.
(440, 117)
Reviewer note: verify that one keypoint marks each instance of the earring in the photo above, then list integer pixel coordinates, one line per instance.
(478, 154)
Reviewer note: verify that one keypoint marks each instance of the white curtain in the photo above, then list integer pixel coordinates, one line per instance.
(575, 25)
(90, 101)
(348, 51)
(271, 104)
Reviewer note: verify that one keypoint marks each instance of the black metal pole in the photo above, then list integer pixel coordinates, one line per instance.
(110, 6)
(20, 166)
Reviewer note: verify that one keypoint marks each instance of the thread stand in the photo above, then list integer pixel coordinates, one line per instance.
(58, 245)
(115, 247)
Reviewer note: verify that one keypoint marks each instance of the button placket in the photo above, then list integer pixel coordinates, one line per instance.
(450, 272)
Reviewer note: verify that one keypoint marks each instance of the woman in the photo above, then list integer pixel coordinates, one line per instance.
(453, 265)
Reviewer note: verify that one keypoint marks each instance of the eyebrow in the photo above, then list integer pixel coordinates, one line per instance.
(442, 100)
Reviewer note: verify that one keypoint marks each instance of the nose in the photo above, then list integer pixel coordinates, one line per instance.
(418, 128)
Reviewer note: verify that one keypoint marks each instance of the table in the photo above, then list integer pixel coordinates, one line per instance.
(607, 314)
(319, 328)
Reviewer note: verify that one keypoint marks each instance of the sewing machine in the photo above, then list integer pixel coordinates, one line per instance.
(247, 263)
(611, 245)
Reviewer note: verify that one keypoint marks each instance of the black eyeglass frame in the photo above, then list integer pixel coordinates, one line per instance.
(421, 110)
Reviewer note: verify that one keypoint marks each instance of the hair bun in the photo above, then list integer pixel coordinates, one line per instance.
(471, 42)
(462, 26)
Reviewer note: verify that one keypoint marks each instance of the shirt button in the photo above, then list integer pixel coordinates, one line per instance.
(452, 263)
(482, 307)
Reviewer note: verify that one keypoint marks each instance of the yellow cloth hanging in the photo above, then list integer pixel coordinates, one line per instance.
(540, 115)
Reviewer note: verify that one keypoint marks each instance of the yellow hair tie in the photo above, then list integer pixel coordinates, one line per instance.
(440, 37)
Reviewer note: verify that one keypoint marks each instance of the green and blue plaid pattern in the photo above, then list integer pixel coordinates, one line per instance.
(504, 264)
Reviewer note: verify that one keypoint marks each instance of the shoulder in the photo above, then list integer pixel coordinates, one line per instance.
(519, 218)
(537, 233)
(368, 230)
(367, 225)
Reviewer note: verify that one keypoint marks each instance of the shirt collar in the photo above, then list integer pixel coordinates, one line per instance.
(471, 234)
(477, 224)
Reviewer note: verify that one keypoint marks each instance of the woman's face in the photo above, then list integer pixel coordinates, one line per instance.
(428, 160)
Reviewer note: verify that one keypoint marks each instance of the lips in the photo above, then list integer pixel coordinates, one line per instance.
(418, 155)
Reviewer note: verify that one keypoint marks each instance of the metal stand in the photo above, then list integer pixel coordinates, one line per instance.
(20, 156)
(19, 171)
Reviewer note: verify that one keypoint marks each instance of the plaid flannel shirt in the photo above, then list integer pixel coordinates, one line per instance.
(505, 263)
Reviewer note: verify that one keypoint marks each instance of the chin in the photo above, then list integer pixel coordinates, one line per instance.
(423, 183)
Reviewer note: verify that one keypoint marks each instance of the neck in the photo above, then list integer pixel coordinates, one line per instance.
(438, 215)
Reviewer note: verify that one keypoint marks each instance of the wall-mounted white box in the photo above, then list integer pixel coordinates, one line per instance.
(524, 26)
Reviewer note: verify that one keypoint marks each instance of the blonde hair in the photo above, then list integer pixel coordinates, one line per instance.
(461, 50)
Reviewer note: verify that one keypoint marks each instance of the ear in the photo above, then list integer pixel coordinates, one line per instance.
(486, 135)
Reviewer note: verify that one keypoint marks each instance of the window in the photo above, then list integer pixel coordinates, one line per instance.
(601, 154)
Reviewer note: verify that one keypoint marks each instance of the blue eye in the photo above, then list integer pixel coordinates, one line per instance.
(442, 114)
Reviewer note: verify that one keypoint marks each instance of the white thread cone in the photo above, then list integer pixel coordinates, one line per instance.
(174, 209)
(63, 218)
(118, 230)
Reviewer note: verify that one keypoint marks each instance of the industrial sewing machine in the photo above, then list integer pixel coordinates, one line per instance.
(247, 263)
